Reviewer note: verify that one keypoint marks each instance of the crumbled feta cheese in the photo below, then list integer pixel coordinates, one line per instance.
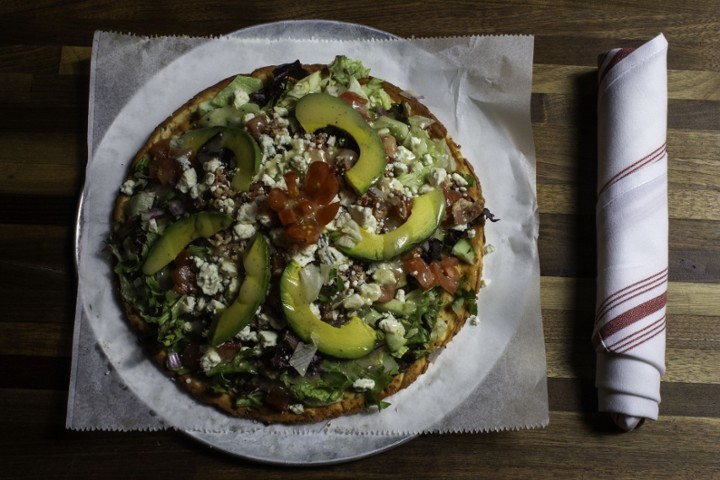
(188, 304)
(389, 324)
(184, 162)
(306, 255)
(437, 176)
(485, 282)
(471, 233)
(297, 408)
(364, 384)
(268, 338)
(240, 98)
(247, 213)
(280, 112)
(216, 306)
(208, 278)
(187, 181)
(209, 178)
(459, 179)
(364, 217)
(212, 165)
(226, 205)
(128, 188)
(210, 360)
(248, 116)
(404, 155)
(371, 292)
(353, 302)
(384, 276)
(267, 145)
(247, 335)
(488, 249)
(400, 294)
(243, 231)
(152, 226)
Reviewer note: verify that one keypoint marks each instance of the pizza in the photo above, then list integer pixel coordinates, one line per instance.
(298, 243)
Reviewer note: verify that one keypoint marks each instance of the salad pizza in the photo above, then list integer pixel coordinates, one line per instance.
(296, 244)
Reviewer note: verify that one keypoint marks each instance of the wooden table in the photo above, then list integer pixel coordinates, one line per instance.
(44, 64)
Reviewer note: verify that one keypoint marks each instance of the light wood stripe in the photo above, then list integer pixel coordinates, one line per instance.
(682, 365)
(682, 84)
(563, 293)
(42, 339)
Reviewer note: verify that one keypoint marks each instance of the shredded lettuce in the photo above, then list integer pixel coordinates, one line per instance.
(310, 84)
(343, 69)
(227, 94)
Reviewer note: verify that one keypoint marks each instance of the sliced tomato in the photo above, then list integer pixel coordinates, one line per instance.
(417, 267)
(287, 216)
(291, 180)
(449, 265)
(305, 209)
(387, 293)
(325, 215)
(448, 284)
(451, 197)
(277, 199)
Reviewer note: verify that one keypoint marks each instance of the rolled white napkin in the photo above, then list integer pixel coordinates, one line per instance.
(632, 232)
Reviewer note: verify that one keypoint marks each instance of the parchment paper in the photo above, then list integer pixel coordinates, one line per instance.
(491, 377)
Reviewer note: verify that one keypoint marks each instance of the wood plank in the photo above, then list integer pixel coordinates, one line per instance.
(695, 204)
(559, 293)
(16, 87)
(567, 247)
(572, 79)
(28, 58)
(597, 450)
(42, 339)
(34, 149)
(34, 372)
(686, 332)
(21, 286)
(43, 179)
(40, 209)
(682, 365)
(564, 109)
(678, 399)
(75, 60)
(37, 247)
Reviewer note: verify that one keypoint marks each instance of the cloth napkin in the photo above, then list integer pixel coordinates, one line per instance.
(632, 232)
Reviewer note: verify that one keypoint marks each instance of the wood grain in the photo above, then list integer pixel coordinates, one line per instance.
(45, 51)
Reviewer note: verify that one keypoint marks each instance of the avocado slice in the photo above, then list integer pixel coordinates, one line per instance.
(428, 211)
(253, 291)
(355, 339)
(246, 151)
(319, 110)
(179, 235)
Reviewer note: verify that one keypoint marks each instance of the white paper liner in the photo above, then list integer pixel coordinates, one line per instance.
(479, 87)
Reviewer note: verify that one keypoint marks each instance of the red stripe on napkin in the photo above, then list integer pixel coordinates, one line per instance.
(617, 55)
(639, 337)
(649, 159)
(631, 316)
(631, 291)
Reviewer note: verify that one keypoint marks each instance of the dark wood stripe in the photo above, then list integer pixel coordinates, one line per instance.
(682, 399)
(34, 373)
(562, 109)
(38, 209)
(567, 248)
